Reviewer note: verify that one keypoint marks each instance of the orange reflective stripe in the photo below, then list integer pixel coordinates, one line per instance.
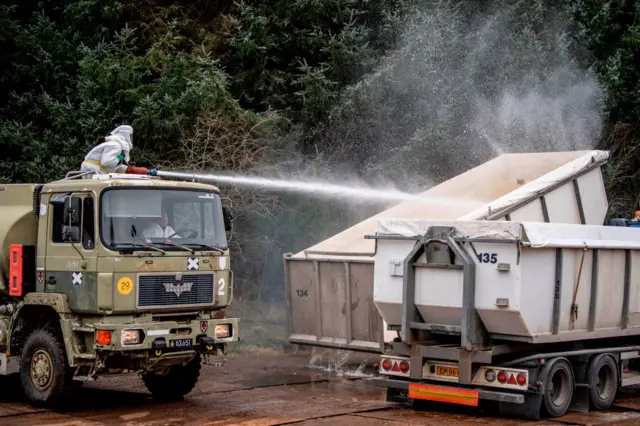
(444, 394)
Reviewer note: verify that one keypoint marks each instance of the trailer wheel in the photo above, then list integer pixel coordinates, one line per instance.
(43, 368)
(176, 382)
(558, 385)
(603, 381)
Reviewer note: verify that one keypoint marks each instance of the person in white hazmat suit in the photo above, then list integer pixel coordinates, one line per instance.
(112, 156)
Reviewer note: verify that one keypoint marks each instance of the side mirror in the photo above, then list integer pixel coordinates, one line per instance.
(228, 218)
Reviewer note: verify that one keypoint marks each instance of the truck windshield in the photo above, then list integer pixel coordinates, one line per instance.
(166, 219)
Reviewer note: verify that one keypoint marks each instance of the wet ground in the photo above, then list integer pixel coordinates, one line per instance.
(272, 390)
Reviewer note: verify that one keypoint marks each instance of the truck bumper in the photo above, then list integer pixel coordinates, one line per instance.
(168, 336)
(449, 394)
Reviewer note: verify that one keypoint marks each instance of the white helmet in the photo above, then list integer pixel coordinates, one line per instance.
(126, 132)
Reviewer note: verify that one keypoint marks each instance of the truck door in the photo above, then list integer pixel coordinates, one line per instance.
(71, 258)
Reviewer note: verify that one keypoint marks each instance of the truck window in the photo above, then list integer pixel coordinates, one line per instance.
(85, 231)
(194, 215)
(151, 216)
(58, 223)
(88, 224)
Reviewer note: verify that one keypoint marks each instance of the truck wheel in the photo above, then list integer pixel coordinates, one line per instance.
(603, 381)
(43, 368)
(559, 383)
(176, 383)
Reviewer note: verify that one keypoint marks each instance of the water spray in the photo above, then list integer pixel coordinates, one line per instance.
(325, 188)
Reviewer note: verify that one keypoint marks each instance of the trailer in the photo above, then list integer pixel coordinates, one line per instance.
(539, 317)
(527, 300)
(321, 281)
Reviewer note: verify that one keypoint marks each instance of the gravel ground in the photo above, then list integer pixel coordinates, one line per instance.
(266, 389)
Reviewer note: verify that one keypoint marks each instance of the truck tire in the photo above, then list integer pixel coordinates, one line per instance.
(603, 381)
(43, 368)
(558, 386)
(176, 383)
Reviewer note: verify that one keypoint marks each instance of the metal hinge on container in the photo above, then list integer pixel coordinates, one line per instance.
(504, 267)
(396, 268)
(502, 302)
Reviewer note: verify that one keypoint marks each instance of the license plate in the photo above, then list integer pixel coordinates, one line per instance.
(180, 343)
(447, 371)
(443, 394)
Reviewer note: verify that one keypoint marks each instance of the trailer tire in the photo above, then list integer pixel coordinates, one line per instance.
(558, 386)
(43, 368)
(176, 383)
(603, 381)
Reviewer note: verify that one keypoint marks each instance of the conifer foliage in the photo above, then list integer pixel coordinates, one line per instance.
(395, 90)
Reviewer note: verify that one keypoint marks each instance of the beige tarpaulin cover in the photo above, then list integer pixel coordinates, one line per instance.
(473, 190)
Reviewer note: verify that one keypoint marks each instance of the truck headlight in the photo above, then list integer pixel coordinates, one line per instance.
(131, 337)
(222, 331)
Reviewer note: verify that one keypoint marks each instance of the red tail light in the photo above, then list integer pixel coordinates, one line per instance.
(522, 379)
(386, 365)
(502, 377)
(404, 366)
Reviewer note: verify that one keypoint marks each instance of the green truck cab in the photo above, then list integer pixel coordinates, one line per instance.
(92, 283)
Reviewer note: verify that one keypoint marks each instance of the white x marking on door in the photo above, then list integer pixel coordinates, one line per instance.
(77, 278)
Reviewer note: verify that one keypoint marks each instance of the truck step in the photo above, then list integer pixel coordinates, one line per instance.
(85, 356)
(84, 378)
(630, 378)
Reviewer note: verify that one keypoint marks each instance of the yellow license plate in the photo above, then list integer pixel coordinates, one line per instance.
(447, 371)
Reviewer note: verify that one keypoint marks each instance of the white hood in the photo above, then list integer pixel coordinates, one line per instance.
(122, 135)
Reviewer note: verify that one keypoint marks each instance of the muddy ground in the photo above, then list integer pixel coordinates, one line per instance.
(268, 389)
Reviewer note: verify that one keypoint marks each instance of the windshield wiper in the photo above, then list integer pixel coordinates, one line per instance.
(113, 245)
(179, 246)
(214, 248)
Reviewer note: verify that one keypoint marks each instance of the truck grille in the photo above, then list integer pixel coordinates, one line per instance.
(166, 291)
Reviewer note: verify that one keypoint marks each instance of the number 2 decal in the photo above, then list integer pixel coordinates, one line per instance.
(488, 257)
(221, 287)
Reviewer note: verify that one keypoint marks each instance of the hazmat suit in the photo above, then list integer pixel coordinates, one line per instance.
(112, 156)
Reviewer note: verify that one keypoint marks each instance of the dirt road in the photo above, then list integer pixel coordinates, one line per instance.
(269, 390)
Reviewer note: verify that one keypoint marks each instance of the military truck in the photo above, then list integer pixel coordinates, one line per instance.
(91, 284)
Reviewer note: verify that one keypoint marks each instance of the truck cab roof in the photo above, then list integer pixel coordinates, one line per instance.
(73, 181)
